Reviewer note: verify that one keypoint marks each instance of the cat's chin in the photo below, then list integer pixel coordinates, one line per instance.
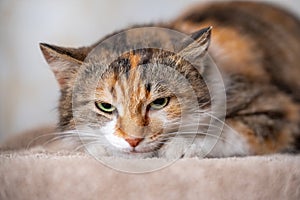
(111, 151)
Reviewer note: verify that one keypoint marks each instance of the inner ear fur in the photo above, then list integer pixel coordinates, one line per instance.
(64, 61)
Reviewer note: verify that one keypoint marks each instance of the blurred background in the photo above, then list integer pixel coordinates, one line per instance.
(28, 90)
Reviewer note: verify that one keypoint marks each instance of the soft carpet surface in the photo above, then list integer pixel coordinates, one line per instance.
(42, 175)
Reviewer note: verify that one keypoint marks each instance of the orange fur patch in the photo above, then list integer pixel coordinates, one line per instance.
(120, 133)
(131, 126)
(134, 60)
(173, 109)
(257, 145)
(234, 51)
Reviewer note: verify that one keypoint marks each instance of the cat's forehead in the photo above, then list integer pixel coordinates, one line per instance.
(136, 74)
(133, 67)
(126, 88)
(130, 60)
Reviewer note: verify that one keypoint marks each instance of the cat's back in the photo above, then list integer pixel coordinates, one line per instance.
(256, 40)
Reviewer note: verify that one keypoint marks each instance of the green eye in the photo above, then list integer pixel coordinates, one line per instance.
(159, 103)
(105, 107)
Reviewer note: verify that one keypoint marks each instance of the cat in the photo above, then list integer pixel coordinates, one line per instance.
(126, 111)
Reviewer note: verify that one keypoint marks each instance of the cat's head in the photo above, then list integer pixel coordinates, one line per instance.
(136, 103)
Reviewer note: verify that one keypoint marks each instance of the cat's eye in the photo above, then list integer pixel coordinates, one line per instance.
(159, 103)
(105, 107)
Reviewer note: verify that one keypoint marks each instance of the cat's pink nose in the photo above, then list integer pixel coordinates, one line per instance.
(134, 141)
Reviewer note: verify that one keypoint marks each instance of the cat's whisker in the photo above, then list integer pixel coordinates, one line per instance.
(217, 137)
(41, 136)
(184, 132)
(224, 124)
(70, 134)
(59, 138)
(192, 134)
(198, 125)
(83, 145)
(205, 104)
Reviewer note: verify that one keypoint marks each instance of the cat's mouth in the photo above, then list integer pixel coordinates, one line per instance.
(147, 145)
(150, 148)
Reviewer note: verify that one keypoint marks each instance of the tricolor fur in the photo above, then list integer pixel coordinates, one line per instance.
(256, 47)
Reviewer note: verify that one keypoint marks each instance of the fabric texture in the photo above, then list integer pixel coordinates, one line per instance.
(66, 175)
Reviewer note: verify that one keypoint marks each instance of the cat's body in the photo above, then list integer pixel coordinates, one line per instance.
(256, 48)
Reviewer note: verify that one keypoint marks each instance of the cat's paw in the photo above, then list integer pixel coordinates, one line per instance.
(191, 151)
(96, 150)
(175, 149)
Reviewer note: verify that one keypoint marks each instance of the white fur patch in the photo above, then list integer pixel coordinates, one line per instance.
(108, 130)
(232, 144)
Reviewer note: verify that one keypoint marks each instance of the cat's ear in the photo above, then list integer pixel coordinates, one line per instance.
(64, 62)
(199, 44)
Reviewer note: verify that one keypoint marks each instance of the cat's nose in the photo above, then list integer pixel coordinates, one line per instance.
(134, 141)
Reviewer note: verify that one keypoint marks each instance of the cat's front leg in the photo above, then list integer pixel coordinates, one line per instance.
(97, 150)
(176, 148)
